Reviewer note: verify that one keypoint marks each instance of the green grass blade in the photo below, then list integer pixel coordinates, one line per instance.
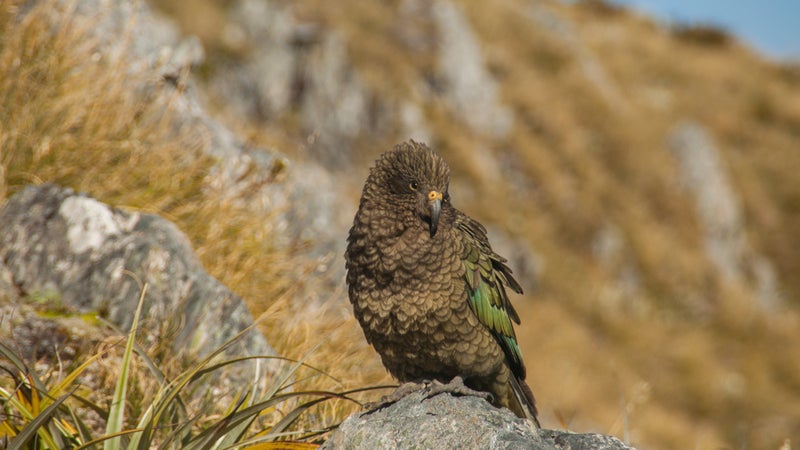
(139, 351)
(143, 421)
(295, 413)
(278, 430)
(12, 356)
(22, 408)
(284, 376)
(116, 414)
(37, 426)
(245, 417)
(102, 413)
(248, 414)
(171, 392)
(64, 384)
(180, 434)
(146, 420)
(84, 433)
(106, 438)
(235, 433)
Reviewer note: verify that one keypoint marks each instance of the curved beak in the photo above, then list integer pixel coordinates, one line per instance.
(435, 205)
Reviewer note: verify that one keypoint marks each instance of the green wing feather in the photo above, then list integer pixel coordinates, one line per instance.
(486, 276)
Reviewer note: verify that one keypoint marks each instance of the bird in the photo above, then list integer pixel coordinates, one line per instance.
(427, 288)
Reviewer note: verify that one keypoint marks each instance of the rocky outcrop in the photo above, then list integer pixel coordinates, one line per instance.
(85, 257)
(302, 200)
(467, 86)
(613, 253)
(715, 201)
(717, 206)
(286, 66)
(335, 102)
(447, 422)
(261, 85)
(57, 336)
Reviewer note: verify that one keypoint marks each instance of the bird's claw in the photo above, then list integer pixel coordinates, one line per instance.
(401, 391)
(429, 388)
(455, 386)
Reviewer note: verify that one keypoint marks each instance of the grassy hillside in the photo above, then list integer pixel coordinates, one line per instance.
(686, 359)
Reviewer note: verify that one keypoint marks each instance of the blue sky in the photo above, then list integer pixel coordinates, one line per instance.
(771, 27)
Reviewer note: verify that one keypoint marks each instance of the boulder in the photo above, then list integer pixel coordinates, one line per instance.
(447, 422)
(82, 256)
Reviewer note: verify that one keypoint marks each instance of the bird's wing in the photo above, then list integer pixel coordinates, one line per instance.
(486, 276)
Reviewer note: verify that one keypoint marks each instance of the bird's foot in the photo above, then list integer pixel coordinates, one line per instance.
(455, 386)
(429, 389)
(401, 391)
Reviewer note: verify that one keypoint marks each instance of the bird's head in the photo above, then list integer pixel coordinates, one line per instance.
(411, 180)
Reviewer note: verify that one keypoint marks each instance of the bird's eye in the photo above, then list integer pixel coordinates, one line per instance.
(413, 185)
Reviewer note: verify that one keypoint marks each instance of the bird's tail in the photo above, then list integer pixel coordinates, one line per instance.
(522, 401)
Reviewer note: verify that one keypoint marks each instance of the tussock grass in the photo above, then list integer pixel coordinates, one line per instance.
(50, 414)
(70, 117)
(335, 344)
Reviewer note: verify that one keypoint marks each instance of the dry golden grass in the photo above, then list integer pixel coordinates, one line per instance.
(333, 343)
(663, 368)
(74, 121)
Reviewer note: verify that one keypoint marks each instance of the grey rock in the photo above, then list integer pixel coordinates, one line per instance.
(414, 27)
(288, 67)
(55, 339)
(131, 30)
(448, 422)
(335, 103)
(612, 252)
(303, 203)
(468, 87)
(716, 203)
(717, 206)
(262, 84)
(412, 123)
(92, 258)
(7, 288)
(574, 441)
(766, 282)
